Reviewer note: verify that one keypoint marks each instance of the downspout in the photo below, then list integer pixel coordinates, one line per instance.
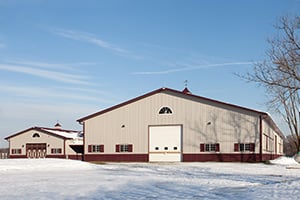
(65, 155)
(83, 152)
(8, 154)
(260, 138)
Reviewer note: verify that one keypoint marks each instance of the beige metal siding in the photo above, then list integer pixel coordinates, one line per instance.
(271, 145)
(20, 141)
(202, 122)
(69, 150)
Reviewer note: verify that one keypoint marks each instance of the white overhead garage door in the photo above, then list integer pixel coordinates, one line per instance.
(165, 143)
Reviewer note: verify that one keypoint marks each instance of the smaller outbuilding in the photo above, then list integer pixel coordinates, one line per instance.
(42, 142)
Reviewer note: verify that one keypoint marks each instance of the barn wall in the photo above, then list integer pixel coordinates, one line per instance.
(202, 122)
(117, 157)
(70, 153)
(272, 142)
(20, 141)
(69, 150)
(228, 157)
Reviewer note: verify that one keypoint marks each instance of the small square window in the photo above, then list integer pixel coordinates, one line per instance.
(175, 148)
(242, 147)
(124, 147)
(156, 148)
(56, 150)
(210, 147)
(247, 147)
(166, 148)
(96, 148)
(16, 151)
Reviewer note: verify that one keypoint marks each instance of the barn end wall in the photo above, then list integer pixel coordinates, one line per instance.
(245, 157)
(17, 156)
(20, 141)
(71, 157)
(116, 158)
(202, 122)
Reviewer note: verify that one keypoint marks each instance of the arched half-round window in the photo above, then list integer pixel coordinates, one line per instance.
(35, 135)
(165, 110)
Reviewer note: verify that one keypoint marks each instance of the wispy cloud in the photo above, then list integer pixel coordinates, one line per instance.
(39, 64)
(88, 37)
(187, 67)
(55, 75)
(18, 115)
(36, 92)
(93, 39)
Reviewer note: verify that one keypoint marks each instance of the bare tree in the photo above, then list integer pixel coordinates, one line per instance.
(279, 73)
(285, 101)
(289, 146)
(283, 58)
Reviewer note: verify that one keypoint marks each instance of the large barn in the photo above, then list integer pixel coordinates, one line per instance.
(167, 125)
(42, 142)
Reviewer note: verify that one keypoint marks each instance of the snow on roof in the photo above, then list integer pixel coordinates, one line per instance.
(64, 133)
(68, 134)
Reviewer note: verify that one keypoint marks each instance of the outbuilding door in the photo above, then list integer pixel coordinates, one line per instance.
(165, 143)
(36, 150)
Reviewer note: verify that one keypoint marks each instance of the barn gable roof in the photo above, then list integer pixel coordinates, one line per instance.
(185, 94)
(61, 133)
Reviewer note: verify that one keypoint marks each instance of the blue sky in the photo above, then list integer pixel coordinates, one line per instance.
(61, 60)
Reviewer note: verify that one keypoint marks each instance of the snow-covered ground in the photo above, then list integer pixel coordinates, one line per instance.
(67, 179)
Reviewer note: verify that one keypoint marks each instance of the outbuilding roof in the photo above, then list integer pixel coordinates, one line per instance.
(61, 133)
(185, 93)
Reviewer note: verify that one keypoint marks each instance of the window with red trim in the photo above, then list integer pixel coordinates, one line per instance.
(124, 148)
(56, 150)
(242, 147)
(16, 151)
(96, 148)
(214, 147)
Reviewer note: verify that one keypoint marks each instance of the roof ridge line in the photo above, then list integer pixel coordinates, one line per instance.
(160, 90)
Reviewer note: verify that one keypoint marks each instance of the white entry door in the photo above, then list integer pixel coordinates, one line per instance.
(165, 143)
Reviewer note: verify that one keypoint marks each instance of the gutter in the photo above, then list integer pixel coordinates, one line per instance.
(260, 138)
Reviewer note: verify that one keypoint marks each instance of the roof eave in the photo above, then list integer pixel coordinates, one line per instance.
(273, 125)
(81, 120)
(41, 129)
(18, 133)
(119, 105)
